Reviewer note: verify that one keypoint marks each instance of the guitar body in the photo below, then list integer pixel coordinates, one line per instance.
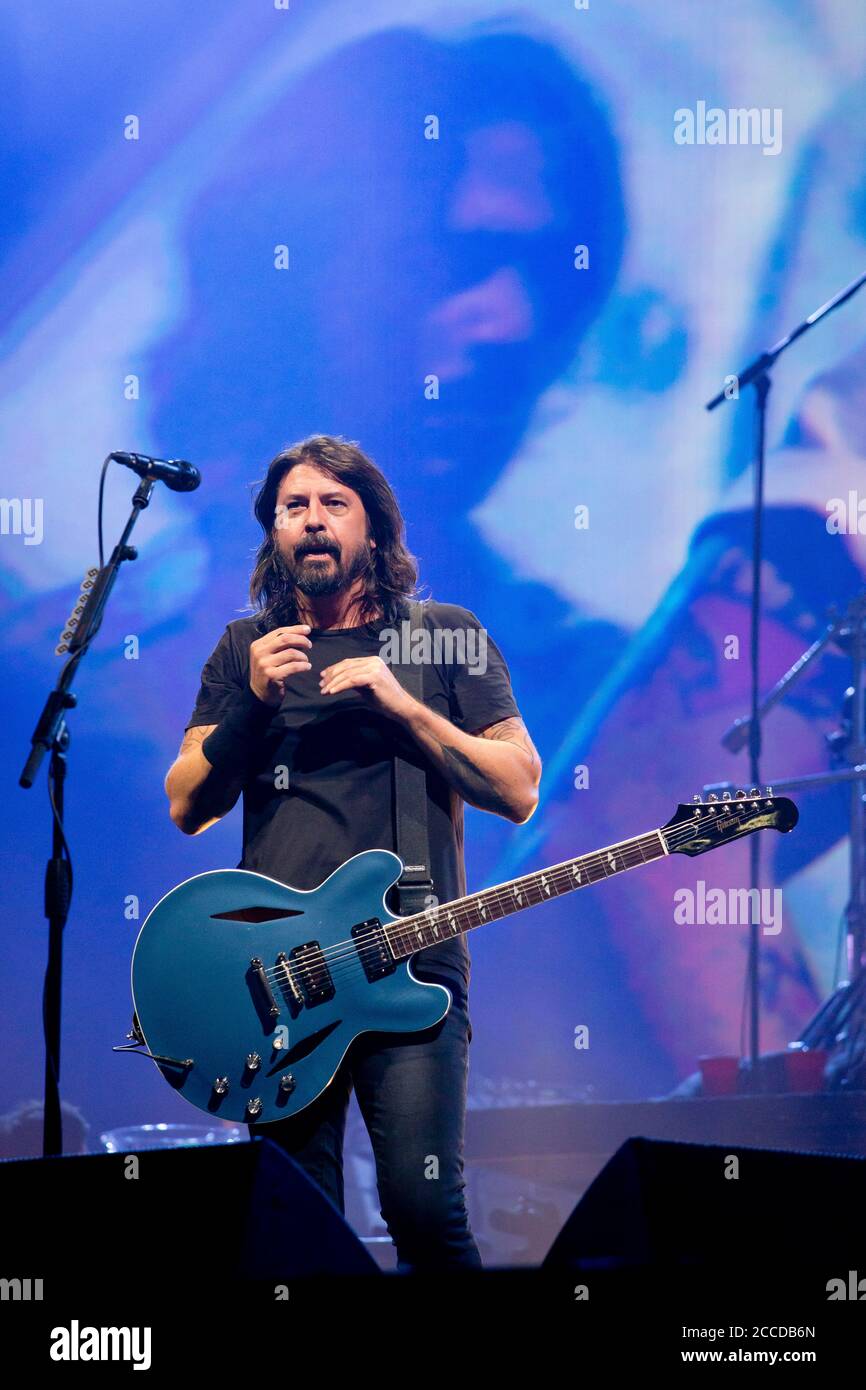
(204, 1008)
(248, 994)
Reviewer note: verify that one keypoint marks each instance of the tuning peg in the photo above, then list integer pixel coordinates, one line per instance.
(754, 791)
(712, 797)
(696, 798)
(726, 796)
(741, 794)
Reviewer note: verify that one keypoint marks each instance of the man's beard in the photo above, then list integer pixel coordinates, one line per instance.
(316, 577)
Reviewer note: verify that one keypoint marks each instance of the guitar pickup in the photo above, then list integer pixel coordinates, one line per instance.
(309, 968)
(373, 950)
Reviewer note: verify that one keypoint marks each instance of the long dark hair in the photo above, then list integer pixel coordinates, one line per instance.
(392, 575)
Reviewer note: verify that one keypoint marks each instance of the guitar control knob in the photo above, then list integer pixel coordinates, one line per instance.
(287, 1083)
(254, 1106)
(254, 1061)
(221, 1085)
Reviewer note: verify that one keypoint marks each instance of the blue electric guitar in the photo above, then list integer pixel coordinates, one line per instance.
(248, 993)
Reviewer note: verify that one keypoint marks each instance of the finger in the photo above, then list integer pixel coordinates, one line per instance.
(278, 633)
(339, 667)
(351, 663)
(283, 637)
(279, 670)
(286, 662)
(337, 671)
(357, 668)
(346, 682)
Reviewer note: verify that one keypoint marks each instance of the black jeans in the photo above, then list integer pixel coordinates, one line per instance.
(411, 1091)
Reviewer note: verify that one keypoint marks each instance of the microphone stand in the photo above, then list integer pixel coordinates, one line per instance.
(757, 374)
(51, 735)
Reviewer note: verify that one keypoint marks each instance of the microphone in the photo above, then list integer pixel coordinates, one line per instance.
(177, 474)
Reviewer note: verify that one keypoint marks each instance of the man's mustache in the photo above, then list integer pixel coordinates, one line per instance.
(317, 547)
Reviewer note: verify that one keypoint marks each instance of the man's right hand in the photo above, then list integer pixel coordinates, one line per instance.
(275, 658)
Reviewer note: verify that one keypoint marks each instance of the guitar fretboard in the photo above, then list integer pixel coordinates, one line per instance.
(410, 934)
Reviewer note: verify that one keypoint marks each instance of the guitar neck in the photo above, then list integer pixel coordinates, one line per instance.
(436, 924)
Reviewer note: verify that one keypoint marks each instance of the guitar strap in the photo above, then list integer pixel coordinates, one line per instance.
(414, 888)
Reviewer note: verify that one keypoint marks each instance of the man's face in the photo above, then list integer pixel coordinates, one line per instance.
(321, 531)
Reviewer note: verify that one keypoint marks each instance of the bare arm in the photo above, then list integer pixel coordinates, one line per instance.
(496, 769)
(198, 795)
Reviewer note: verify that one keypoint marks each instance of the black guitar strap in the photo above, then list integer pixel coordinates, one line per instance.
(414, 888)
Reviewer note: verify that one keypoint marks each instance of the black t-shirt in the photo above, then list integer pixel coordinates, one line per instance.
(321, 786)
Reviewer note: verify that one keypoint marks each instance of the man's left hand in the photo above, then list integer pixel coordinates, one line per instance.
(373, 679)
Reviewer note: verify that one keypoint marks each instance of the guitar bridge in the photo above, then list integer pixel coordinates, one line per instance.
(285, 981)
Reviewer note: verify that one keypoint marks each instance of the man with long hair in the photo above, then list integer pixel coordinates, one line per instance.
(299, 711)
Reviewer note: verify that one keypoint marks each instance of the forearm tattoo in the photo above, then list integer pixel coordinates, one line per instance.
(473, 784)
(470, 781)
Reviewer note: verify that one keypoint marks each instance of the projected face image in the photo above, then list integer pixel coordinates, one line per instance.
(427, 293)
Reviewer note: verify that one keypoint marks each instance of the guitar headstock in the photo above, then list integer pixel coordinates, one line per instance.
(702, 825)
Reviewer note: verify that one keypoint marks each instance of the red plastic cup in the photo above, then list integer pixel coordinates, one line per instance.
(719, 1075)
(804, 1069)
